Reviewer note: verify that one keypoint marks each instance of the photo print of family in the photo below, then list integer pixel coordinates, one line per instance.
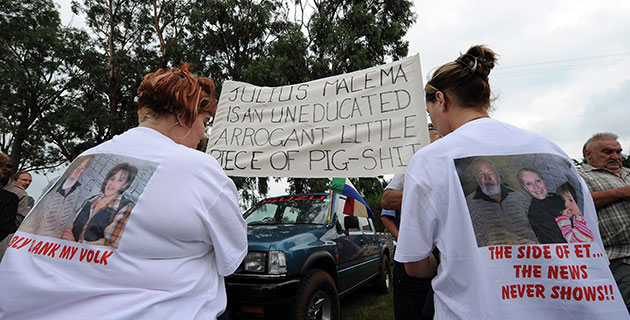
(92, 201)
(523, 199)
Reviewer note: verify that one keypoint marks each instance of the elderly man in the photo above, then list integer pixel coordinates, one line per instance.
(57, 208)
(498, 212)
(609, 184)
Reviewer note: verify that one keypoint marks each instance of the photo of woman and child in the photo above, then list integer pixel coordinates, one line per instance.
(555, 217)
(92, 201)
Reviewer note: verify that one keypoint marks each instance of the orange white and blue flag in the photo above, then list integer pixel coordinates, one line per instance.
(345, 187)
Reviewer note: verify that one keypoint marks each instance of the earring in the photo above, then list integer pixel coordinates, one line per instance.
(176, 123)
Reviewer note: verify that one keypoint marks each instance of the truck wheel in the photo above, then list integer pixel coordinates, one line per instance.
(383, 281)
(316, 298)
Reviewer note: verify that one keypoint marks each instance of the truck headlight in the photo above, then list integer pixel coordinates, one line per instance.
(277, 262)
(255, 262)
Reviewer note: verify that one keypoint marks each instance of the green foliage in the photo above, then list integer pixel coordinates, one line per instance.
(124, 36)
(41, 63)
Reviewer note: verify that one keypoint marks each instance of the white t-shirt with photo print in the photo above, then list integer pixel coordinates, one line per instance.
(543, 281)
(184, 234)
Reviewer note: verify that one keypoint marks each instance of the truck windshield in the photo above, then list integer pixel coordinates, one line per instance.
(300, 209)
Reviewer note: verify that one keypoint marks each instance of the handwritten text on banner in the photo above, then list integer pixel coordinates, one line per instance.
(361, 124)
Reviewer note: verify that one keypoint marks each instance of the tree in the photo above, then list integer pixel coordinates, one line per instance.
(271, 43)
(346, 36)
(351, 35)
(41, 66)
(169, 19)
(124, 36)
(264, 42)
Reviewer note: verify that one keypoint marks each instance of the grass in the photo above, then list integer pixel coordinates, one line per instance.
(365, 304)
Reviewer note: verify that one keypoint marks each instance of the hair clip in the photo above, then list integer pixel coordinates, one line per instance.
(467, 59)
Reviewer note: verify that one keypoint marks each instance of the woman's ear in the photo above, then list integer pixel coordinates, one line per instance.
(181, 121)
(441, 100)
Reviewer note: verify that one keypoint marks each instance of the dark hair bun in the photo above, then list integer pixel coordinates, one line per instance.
(478, 60)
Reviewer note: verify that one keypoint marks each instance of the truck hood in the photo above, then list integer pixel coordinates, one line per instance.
(283, 237)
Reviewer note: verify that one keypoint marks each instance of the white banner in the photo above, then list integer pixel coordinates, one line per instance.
(361, 124)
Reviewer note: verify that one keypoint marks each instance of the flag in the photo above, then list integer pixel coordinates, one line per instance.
(345, 187)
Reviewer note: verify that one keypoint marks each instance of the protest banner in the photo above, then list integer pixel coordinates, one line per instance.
(361, 124)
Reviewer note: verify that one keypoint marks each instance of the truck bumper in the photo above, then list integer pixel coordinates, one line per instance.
(262, 298)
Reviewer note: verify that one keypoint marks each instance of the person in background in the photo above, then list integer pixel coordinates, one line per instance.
(182, 237)
(22, 207)
(18, 191)
(413, 297)
(24, 179)
(8, 201)
(609, 183)
(468, 282)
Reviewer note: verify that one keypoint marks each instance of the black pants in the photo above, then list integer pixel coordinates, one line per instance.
(413, 297)
(621, 272)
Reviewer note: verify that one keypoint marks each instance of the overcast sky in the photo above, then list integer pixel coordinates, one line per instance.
(564, 65)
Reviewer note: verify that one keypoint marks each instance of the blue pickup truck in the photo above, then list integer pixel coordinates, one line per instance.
(304, 254)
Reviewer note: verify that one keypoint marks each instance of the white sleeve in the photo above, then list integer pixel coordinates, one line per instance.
(228, 230)
(397, 182)
(418, 215)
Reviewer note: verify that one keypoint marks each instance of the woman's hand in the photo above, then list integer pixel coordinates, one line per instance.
(67, 235)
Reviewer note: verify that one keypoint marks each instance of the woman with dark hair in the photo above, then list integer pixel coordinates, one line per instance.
(544, 207)
(169, 253)
(101, 219)
(472, 281)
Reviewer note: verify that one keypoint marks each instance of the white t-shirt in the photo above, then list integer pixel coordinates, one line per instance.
(397, 182)
(506, 281)
(159, 250)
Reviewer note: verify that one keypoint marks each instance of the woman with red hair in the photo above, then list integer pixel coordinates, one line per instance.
(163, 257)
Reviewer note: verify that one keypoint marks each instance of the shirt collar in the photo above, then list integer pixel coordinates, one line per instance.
(60, 190)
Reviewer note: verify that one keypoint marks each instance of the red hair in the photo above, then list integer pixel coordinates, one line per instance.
(177, 91)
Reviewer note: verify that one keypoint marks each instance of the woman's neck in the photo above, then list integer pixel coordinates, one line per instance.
(162, 125)
(465, 115)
